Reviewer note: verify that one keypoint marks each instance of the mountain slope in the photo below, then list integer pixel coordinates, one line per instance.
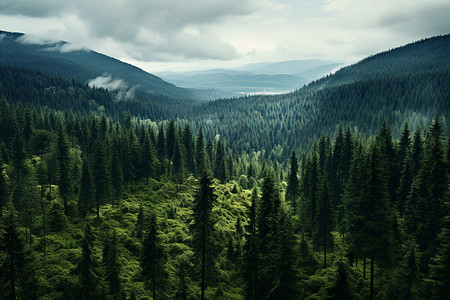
(409, 83)
(83, 65)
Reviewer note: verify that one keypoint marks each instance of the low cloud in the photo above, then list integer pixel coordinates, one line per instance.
(108, 83)
(120, 87)
(66, 47)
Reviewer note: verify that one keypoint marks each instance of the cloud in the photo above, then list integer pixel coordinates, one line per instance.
(122, 89)
(107, 82)
(157, 29)
(66, 47)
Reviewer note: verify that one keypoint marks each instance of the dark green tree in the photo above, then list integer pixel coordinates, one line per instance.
(178, 164)
(3, 187)
(112, 265)
(440, 263)
(87, 269)
(285, 285)
(101, 178)
(220, 168)
(153, 259)
(324, 219)
(148, 155)
(203, 227)
(200, 154)
(293, 186)
(62, 154)
(251, 253)
(171, 136)
(86, 197)
(189, 146)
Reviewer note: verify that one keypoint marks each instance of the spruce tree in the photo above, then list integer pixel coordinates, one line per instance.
(200, 154)
(440, 263)
(153, 259)
(148, 158)
(324, 219)
(112, 265)
(178, 164)
(87, 268)
(220, 168)
(86, 198)
(293, 186)
(170, 138)
(285, 281)
(203, 227)
(267, 224)
(188, 142)
(251, 253)
(64, 180)
(3, 188)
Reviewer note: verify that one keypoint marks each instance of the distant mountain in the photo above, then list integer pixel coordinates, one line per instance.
(410, 83)
(275, 77)
(86, 66)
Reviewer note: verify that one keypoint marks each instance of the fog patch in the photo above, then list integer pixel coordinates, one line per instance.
(120, 87)
(66, 48)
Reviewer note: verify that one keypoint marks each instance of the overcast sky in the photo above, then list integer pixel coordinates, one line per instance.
(160, 35)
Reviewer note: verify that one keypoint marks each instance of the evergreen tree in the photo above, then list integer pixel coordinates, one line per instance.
(89, 284)
(86, 198)
(251, 251)
(148, 156)
(178, 162)
(267, 224)
(112, 266)
(153, 259)
(203, 227)
(440, 264)
(431, 189)
(285, 260)
(220, 169)
(324, 219)
(200, 154)
(3, 187)
(116, 169)
(188, 142)
(64, 180)
(101, 176)
(292, 190)
(171, 138)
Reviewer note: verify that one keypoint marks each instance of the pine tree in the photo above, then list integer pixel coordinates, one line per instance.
(178, 168)
(203, 227)
(148, 156)
(440, 263)
(285, 260)
(220, 168)
(86, 198)
(293, 187)
(200, 154)
(153, 259)
(101, 176)
(64, 180)
(170, 138)
(267, 224)
(324, 219)
(251, 251)
(112, 266)
(87, 268)
(188, 142)
(3, 188)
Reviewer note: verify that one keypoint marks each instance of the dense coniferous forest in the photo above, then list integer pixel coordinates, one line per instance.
(340, 190)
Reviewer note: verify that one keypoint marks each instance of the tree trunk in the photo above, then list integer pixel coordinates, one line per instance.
(371, 278)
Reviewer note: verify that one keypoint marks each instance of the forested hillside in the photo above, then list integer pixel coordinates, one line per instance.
(95, 208)
(67, 61)
(336, 191)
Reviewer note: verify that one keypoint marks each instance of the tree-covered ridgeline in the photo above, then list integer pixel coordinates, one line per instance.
(92, 207)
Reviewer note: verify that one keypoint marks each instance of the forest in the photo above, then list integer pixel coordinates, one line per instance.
(93, 207)
(339, 190)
